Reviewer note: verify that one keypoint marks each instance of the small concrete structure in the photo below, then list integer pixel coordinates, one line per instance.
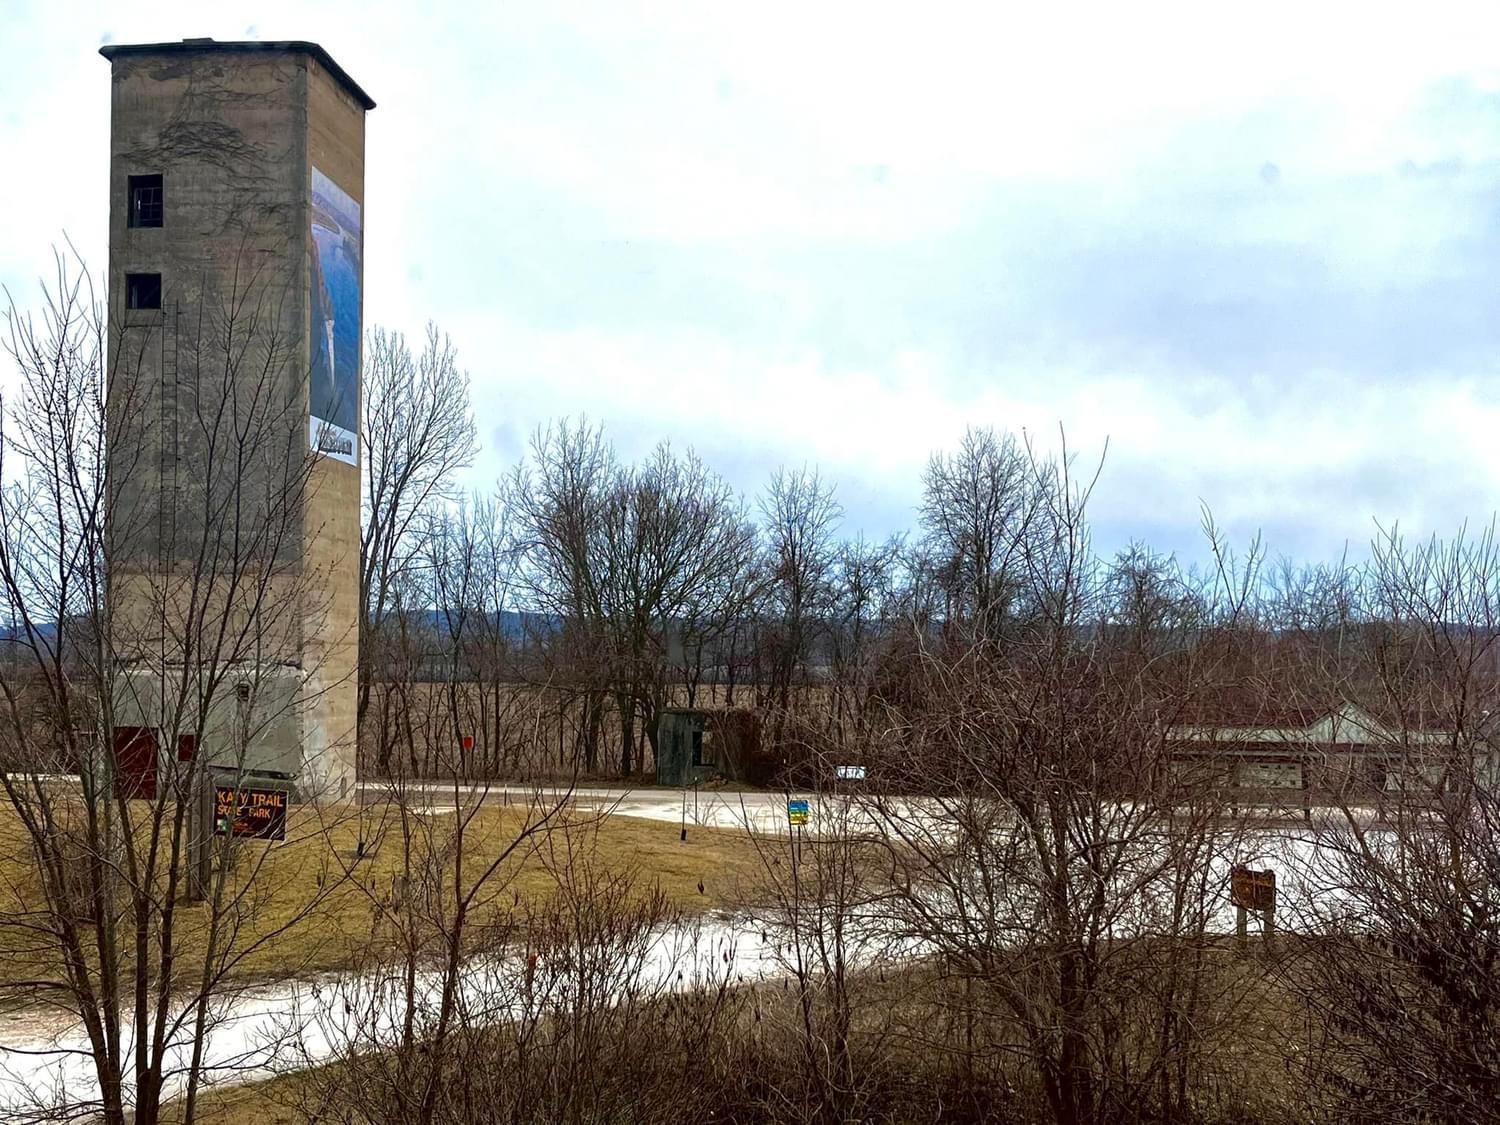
(694, 745)
(680, 747)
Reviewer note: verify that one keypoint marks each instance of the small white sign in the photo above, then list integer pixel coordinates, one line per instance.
(331, 441)
(849, 773)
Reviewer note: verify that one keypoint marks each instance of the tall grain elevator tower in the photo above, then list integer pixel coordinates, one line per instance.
(236, 251)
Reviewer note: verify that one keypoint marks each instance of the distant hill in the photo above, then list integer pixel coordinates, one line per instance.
(514, 625)
(45, 633)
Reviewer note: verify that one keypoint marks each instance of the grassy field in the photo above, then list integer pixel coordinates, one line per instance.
(257, 1103)
(313, 903)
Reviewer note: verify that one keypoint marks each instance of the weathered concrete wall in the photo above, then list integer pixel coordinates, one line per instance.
(336, 147)
(228, 349)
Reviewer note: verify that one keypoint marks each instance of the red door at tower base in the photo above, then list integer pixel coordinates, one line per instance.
(135, 762)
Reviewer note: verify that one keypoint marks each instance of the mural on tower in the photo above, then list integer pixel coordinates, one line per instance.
(333, 401)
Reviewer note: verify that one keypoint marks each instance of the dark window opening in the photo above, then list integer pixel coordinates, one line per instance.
(145, 201)
(143, 290)
(697, 748)
(187, 747)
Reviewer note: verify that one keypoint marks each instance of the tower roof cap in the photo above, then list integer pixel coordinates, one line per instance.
(113, 51)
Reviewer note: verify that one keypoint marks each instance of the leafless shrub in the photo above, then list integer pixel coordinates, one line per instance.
(1400, 972)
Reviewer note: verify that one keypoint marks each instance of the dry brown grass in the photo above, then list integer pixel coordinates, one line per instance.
(309, 905)
(256, 1103)
(908, 1032)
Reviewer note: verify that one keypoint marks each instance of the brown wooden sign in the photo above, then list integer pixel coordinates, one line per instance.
(1252, 890)
(250, 813)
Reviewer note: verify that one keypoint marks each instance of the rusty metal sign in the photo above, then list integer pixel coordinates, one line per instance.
(1252, 890)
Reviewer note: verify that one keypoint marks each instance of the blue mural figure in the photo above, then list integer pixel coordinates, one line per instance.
(334, 308)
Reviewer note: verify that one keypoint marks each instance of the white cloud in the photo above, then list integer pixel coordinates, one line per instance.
(839, 232)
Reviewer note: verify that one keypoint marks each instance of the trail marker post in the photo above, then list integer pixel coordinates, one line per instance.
(797, 815)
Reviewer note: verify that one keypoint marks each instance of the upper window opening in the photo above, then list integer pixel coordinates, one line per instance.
(143, 290)
(145, 201)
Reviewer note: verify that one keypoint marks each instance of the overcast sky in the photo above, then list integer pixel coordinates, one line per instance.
(1256, 251)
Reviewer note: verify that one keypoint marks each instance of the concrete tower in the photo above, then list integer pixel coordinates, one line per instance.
(236, 249)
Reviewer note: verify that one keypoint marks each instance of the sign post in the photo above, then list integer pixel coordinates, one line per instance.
(1253, 890)
(796, 816)
(200, 846)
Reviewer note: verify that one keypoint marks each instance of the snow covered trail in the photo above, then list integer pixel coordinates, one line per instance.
(287, 1026)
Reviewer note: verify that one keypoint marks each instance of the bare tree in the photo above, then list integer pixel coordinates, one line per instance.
(1055, 865)
(864, 616)
(418, 432)
(492, 647)
(715, 616)
(1396, 888)
(557, 500)
(674, 543)
(625, 559)
(979, 505)
(799, 517)
(137, 590)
